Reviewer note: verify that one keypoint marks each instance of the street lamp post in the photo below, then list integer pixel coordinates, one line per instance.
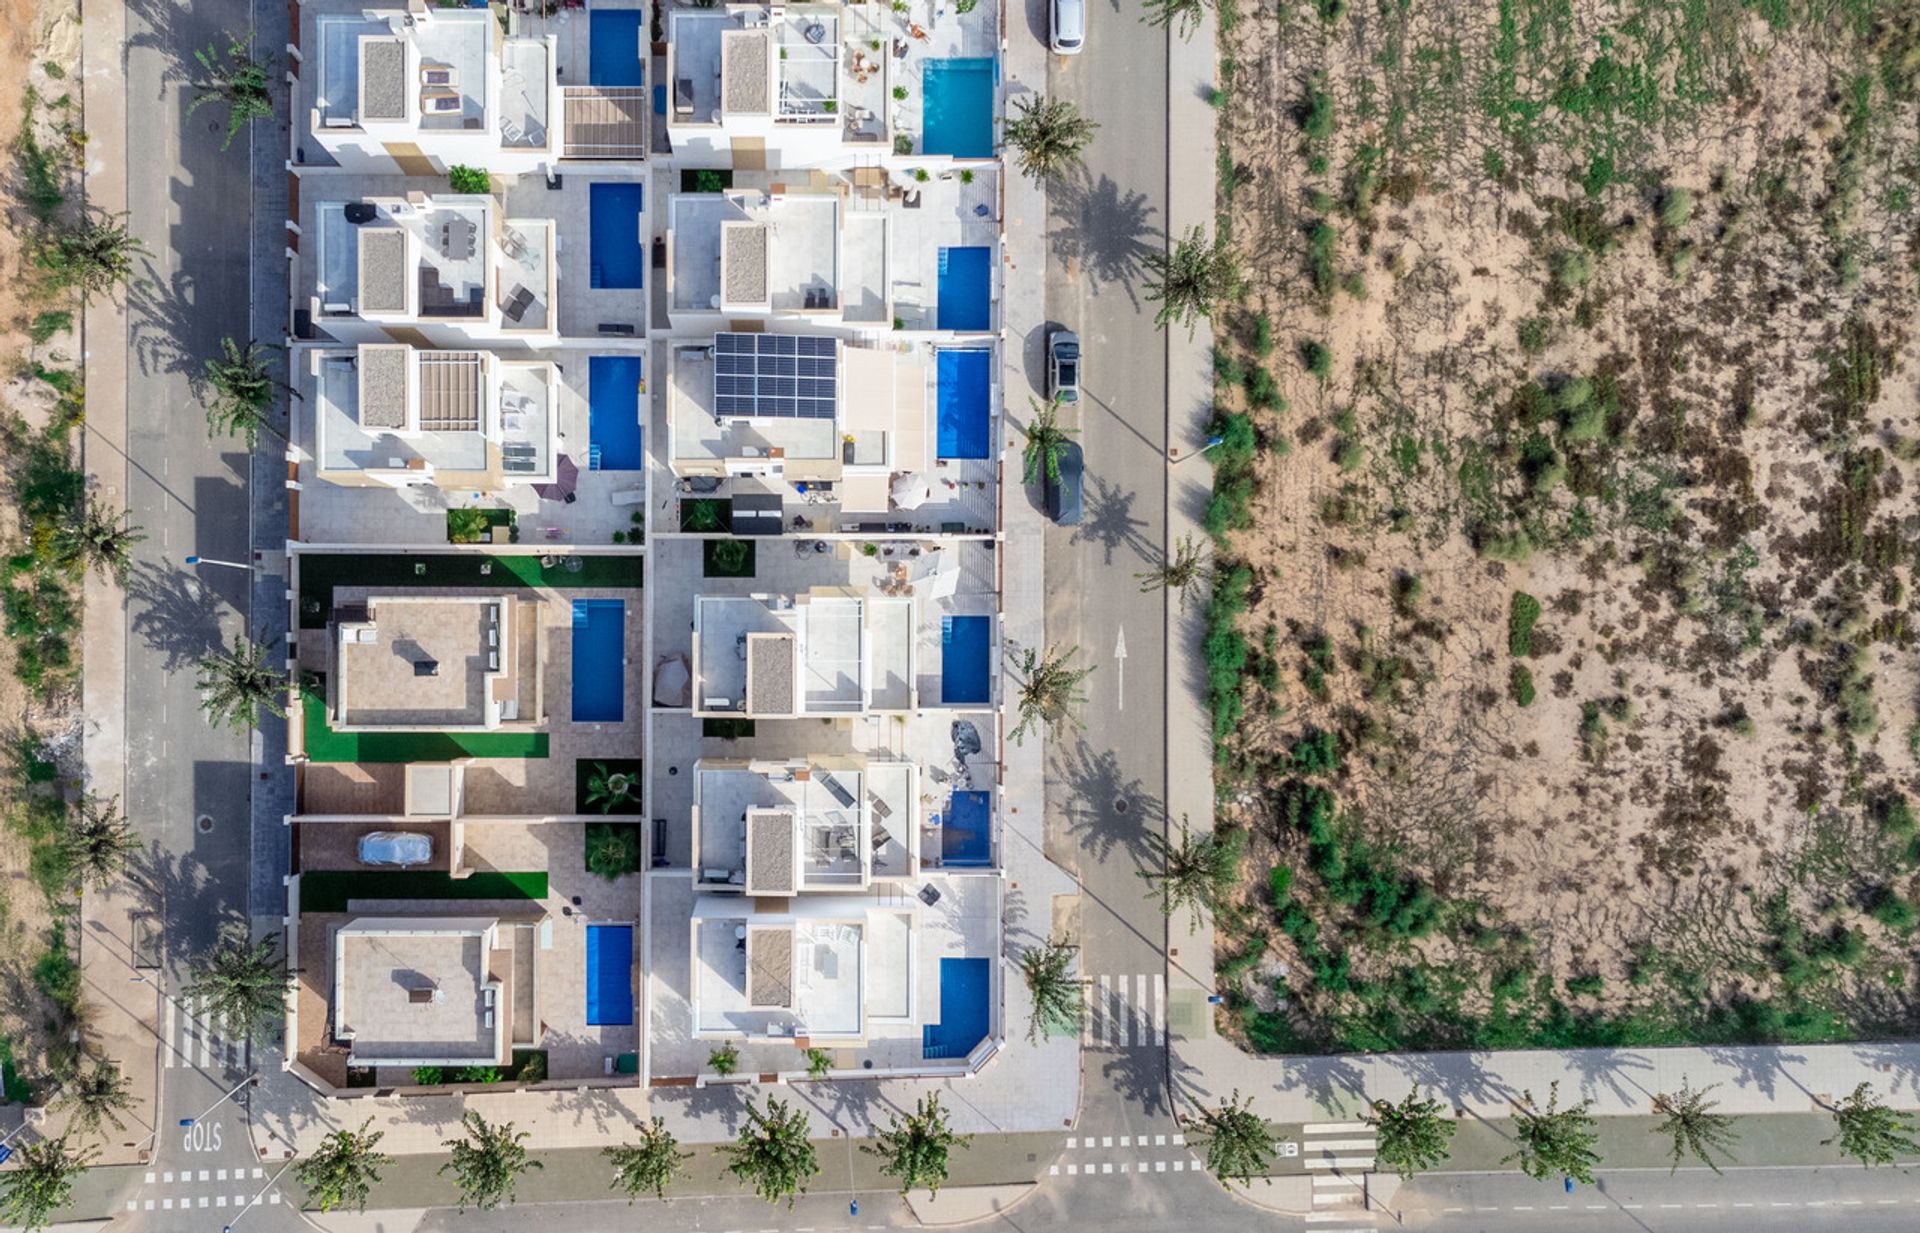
(200, 560)
(255, 1200)
(1212, 441)
(188, 1122)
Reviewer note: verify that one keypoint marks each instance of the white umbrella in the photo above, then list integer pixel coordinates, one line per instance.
(911, 490)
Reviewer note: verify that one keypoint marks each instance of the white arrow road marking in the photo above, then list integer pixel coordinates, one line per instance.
(1120, 667)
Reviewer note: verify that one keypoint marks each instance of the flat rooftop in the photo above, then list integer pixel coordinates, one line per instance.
(415, 992)
(427, 72)
(387, 407)
(420, 662)
(753, 249)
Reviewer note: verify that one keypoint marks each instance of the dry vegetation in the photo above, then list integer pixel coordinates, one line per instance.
(1561, 651)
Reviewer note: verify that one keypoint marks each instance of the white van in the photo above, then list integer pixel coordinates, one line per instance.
(1068, 27)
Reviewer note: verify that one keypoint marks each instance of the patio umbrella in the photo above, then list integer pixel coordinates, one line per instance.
(565, 476)
(911, 490)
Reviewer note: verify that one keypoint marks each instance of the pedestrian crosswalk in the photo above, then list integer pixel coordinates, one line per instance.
(197, 1040)
(1337, 1156)
(1124, 1012)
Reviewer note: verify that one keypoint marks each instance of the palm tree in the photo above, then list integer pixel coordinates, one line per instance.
(487, 1162)
(1181, 16)
(1196, 874)
(95, 256)
(1179, 572)
(650, 1164)
(1045, 439)
(1193, 279)
(239, 389)
(1694, 1127)
(1868, 1131)
(344, 1169)
(1555, 1140)
(915, 1150)
(41, 1183)
(238, 685)
(1412, 1135)
(609, 789)
(1238, 1144)
(1059, 997)
(1049, 691)
(238, 80)
(103, 539)
(243, 983)
(773, 1154)
(99, 842)
(1049, 133)
(97, 1096)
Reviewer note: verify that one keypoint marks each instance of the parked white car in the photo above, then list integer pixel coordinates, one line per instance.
(401, 848)
(1067, 27)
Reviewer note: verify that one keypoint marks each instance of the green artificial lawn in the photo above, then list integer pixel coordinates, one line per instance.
(583, 770)
(713, 567)
(328, 890)
(321, 572)
(326, 745)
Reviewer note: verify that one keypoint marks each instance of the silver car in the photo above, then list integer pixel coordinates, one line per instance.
(1067, 29)
(402, 848)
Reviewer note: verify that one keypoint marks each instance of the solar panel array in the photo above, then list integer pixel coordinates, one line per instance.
(773, 376)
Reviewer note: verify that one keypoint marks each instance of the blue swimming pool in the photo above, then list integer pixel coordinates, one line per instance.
(966, 993)
(613, 413)
(613, 50)
(609, 975)
(965, 380)
(966, 652)
(966, 833)
(599, 655)
(966, 289)
(957, 108)
(617, 260)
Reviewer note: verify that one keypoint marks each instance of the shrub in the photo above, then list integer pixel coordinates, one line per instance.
(48, 324)
(1895, 815)
(468, 180)
(478, 1074)
(1280, 886)
(1572, 268)
(1676, 208)
(1680, 264)
(1895, 912)
(1263, 336)
(1316, 110)
(1520, 684)
(1522, 612)
(1322, 239)
(724, 1060)
(428, 1076)
(1263, 391)
(1533, 334)
(1350, 455)
(1316, 358)
(1589, 423)
(1586, 985)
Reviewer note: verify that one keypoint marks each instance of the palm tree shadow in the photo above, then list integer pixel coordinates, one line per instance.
(161, 312)
(1104, 231)
(176, 615)
(1110, 522)
(1105, 808)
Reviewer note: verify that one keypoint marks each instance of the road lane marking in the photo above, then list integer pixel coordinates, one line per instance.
(1105, 1011)
(1160, 1009)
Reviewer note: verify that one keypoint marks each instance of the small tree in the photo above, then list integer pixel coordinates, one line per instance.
(724, 1060)
(236, 79)
(1049, 134)
(244, 983)
(238, 390)
(773, 1155)
(94, 256)
(99, 841)
(650, 1164)
(103, 539)
(470, 181)
(238, 687)
(1555, 1140)
(1046, 437)
(97, 1097)
(1238, 1143)
(344, 1169)
(915, 1149)
(1185, 567)
(1192, 280)
(1196, 874)
(1412, 1135)
(1694, 1127)
(487, 1162)
(1868, 1131)
(41, 1183)
(819, 1062)
(1050, 691)
(1059, 997)
(1183, 17)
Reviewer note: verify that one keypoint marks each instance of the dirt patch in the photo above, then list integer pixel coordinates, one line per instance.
(1610, 310)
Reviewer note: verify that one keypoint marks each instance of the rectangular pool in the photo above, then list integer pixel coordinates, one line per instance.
(956, 115)
(613, 52)
(966, 289)
(966, 837)
(966, 993)
(617, 259)
(613, 413)
(609, 975)
(966, 651)
(964, 388)
(599, 661)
